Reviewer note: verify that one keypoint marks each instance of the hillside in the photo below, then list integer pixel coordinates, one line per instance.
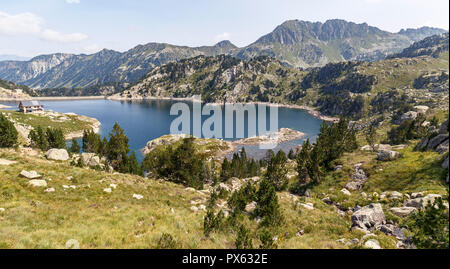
(294, 43)
(91, 209)
(354, 89)
(106, 66)
(431, 46)
(11, 90)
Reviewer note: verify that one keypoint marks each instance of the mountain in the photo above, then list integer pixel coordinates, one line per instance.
(430, 46)
(8, 57)
(355, 89)
(421, 33)
(217, 79)
(79, 71)
(294, 43)
(306, 44)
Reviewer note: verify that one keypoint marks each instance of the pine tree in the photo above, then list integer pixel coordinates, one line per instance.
(8, 133)
(55, 138)
(243, 240)
(291, 154)
(267, 241)
(91, 142)
(75, 148)
(134, 167)
(267, 205)
(370, 135)
(118, 147)
(277, 171)
(225, 173)
(38, 139)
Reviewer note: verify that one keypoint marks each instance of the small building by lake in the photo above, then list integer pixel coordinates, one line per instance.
(30, 106)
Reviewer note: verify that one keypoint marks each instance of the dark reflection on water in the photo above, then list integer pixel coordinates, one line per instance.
(150, 119)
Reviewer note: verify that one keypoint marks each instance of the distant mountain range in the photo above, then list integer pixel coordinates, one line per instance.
(431, 46)
(293, 43)
(8, 57)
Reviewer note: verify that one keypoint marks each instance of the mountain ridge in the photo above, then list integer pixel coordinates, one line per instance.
(295, 43)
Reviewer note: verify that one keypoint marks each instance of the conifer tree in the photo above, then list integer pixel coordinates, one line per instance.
(75, 148)
(8, 133)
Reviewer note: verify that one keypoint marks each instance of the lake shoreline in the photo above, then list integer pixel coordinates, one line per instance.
(55, 98)
(308, 109)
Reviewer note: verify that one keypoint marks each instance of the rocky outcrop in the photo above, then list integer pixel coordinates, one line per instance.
(359, 178)
(283, 135)
(387, 155)
(90, 159)
(162, 141)
(368, 217)
(403, 212)
(437, 140)
(57, 155)
(7, 162)
(422, 202)
(37, 183)
(30, 175)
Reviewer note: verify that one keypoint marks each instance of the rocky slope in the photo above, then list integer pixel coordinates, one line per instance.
(431, 46)
(295, 43)
(72, 71)
(10, 90)
(306, 44)
(354, 89)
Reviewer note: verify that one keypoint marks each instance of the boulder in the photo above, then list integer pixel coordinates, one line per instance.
(403, 212)
(444, 127)
(346, 192)
(410, 115)
(443, 147)
(395, 195)
(436, 141)
(6, 162)
(388, 155)
(445, 163)
(415, 195)
(368, 217)
(251, 207)
(90, 159)
(138, 196)
(107, 190)
(30, 175)
(37, 183)
(372, 244)
(421, 109)
(354, 185)
(223, 186)
(422, 202)
(308, 206)
(57, 155)
(422, 144)
(50, 190)
(338, 168)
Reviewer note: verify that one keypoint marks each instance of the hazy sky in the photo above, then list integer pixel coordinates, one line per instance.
(32, 27)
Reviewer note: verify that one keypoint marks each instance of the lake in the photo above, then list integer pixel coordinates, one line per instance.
(150, 119)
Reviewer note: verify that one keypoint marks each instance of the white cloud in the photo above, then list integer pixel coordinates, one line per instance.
(52, 35)
(30, 24)
(24, 23)
(73, 1)
(222, 36)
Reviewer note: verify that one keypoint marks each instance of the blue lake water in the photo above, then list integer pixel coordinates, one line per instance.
(150, 119)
